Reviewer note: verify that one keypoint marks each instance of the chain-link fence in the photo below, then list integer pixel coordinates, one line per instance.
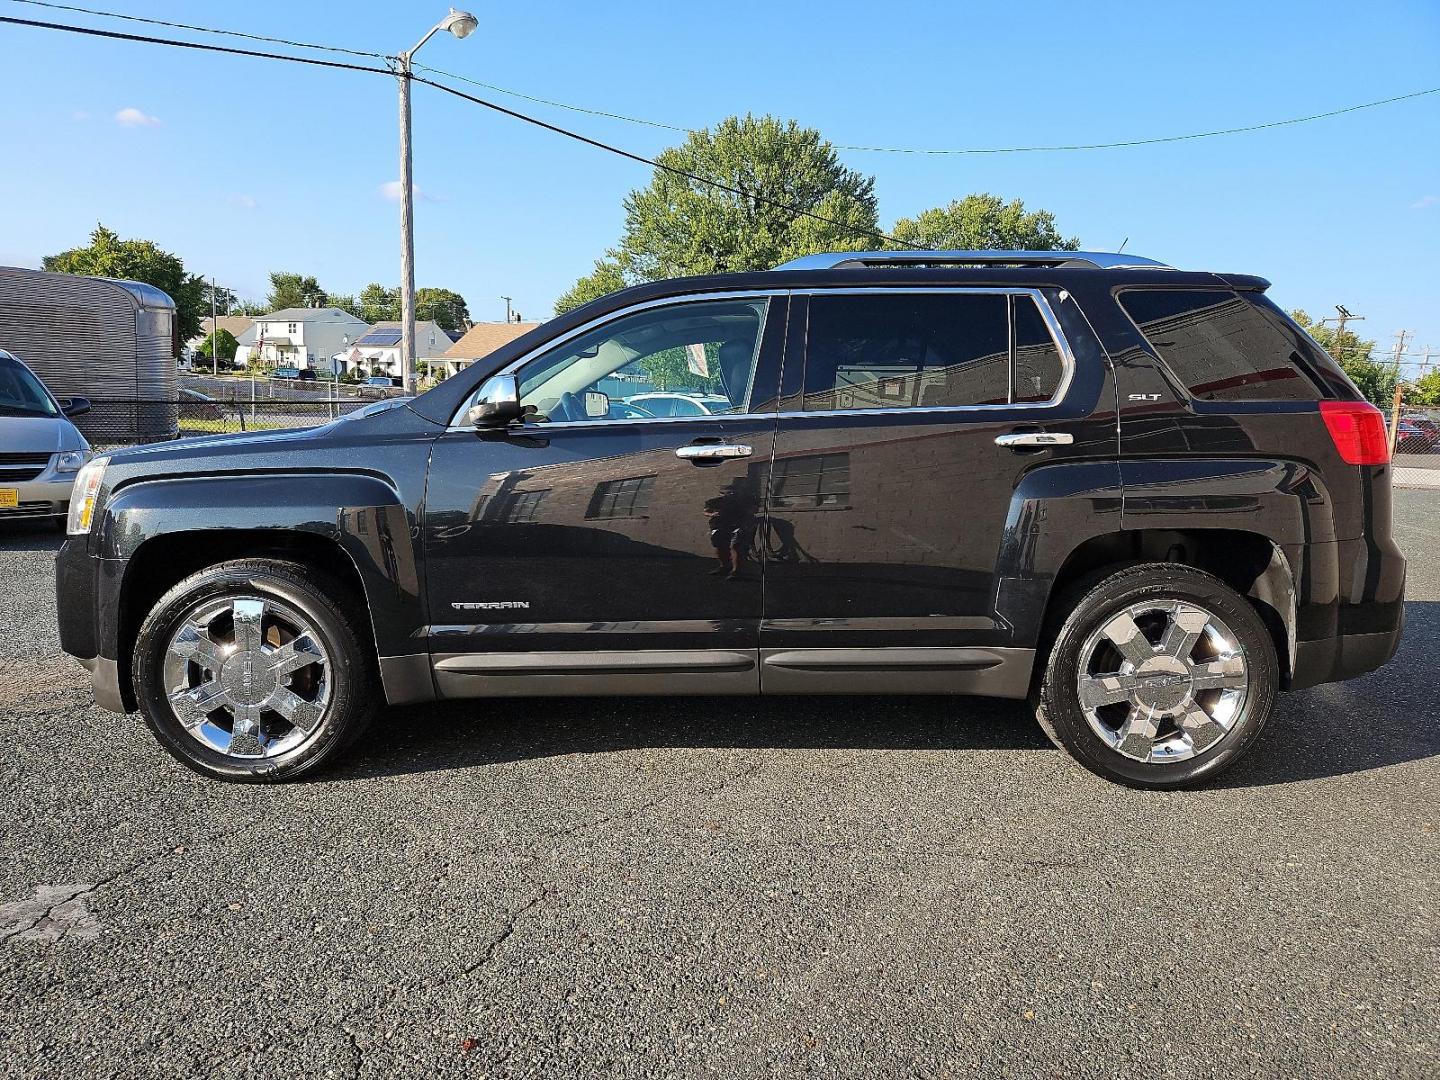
(1417, 438)
(117, 422)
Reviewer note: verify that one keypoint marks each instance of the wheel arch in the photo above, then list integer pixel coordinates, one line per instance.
(353, 528)
(1250, 563)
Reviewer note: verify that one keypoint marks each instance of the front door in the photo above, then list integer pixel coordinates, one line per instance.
(597, 546)
(889, 495)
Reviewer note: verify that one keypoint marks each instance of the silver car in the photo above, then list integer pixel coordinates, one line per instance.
(40, 449)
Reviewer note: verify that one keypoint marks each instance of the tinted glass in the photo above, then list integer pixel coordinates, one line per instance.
(704, 348)
(1219, 346)
(21, 393)
(1038, 368)
(906, 350)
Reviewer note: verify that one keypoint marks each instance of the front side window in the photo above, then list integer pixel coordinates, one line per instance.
(681, 360)
(21, 393)
(927, 350)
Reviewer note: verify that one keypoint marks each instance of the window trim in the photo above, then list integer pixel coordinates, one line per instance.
(1047, 313)
(771, 295)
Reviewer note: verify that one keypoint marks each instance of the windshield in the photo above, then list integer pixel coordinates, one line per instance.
(21, 393)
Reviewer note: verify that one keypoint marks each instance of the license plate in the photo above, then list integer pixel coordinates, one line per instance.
(9, 498)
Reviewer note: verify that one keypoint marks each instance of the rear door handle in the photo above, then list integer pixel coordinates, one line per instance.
(1035, 438)
(713, 451)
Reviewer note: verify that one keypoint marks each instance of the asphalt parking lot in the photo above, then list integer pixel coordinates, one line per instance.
(845, 887)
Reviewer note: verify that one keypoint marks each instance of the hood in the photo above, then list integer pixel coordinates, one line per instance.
(39, 435)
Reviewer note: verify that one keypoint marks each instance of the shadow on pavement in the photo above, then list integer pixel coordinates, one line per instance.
(30, 536)
(457, 735)
(1384, 719)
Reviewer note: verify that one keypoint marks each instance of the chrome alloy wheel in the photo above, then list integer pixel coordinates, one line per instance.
(247, 676)
(1162, 680)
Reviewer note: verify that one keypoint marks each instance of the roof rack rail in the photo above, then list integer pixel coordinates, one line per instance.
(1089, 260)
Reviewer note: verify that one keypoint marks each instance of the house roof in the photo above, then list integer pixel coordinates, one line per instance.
(424, 330)
(484, 338)
(304, 314)
(236, 324)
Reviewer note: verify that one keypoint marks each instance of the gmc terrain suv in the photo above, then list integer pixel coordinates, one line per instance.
(1140, 497)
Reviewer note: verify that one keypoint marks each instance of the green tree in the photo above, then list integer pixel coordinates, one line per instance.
(607, 277)
(289, 290)
(138, 260)
(379, 304)
(445, 307)
(1375, 380)
(1424, 391)
(677, 226)
(224, 299)
(983, 221)
(221, 339)
(345, 302)
(249, 307)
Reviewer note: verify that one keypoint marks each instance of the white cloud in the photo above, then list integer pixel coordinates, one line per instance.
(245, 202)
(391, 190)
(133, 117)
(1425, 202)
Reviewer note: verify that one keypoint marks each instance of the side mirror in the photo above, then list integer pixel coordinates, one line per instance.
(497, 404)
(597, 404)
(75, 406)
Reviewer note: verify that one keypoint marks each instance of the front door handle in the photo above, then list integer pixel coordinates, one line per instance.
(713, 451)
(1024, 439)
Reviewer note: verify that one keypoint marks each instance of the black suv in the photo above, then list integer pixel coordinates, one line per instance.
(1141, 497)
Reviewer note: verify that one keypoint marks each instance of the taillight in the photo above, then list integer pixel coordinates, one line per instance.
(1358, 430)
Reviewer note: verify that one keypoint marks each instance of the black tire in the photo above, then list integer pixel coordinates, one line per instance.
(1090, 607)
(333, 617)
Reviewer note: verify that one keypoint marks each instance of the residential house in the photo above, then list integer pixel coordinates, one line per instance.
(479, 341)
(300, 337)
(236, 324)
(377, 350)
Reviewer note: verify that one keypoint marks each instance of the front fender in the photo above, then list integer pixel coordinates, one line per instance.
(360, 513)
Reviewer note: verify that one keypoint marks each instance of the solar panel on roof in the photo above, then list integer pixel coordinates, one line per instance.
(380, 337)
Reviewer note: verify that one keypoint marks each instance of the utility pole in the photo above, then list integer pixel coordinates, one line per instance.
(1425, 360)
(507, 300)
(1340, 322)
(1400, 336)
(214, 332)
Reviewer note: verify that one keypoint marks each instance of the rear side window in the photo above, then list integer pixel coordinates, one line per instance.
(927, 350)
(1220, 346)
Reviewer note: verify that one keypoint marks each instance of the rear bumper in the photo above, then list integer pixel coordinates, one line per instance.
(1355, 616)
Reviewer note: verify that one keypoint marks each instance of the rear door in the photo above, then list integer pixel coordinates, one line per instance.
(597, 547)
(891, 486)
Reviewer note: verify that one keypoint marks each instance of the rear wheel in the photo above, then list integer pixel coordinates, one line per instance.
(253, 670)
(1161, 676)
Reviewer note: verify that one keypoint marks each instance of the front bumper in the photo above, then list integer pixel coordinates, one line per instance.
(46, 496)
(85, 595)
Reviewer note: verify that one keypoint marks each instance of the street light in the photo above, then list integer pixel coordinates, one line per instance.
(461, 24)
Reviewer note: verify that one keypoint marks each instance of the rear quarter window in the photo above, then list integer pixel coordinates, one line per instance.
(1222, 347)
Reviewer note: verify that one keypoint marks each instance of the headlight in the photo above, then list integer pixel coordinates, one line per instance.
(83, 496)
(70, 461)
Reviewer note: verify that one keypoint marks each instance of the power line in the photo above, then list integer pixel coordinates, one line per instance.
(315, 62)
(177, 43)
(199, 29)
(874, 235)
(923, 151)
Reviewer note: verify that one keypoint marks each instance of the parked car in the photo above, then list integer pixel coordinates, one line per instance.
(1417, 435)
(922, 451)
(40, 449)
(380, 385)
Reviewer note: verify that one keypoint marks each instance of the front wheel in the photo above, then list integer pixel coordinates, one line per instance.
(253, 670)
(1160, 677)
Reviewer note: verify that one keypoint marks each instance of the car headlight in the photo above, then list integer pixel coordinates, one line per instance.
(70, 461)
(83, 496)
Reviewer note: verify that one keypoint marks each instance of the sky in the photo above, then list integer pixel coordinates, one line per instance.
(242, 166)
